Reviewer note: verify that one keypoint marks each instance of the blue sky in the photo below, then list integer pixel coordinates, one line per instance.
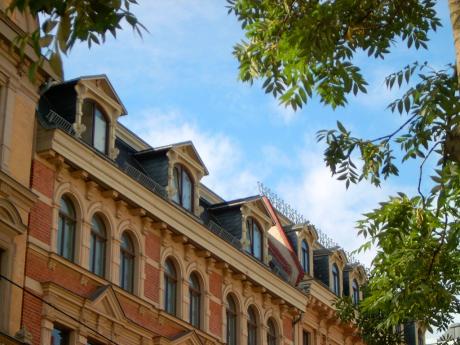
(180, 83)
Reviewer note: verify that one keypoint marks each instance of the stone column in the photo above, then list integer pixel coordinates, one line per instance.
(8, 91)
(115, 276)
(78, 126)
(46, 331)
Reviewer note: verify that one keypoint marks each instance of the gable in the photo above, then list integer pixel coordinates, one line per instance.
(102, 84)
(105, 302)
(189, 338)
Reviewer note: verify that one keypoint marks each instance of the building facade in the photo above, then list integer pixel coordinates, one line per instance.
(107, 240)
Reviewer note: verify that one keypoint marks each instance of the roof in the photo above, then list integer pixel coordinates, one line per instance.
(235, 202)
(160, 149)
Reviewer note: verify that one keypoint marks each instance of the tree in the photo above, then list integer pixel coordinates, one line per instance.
(67, 21)
(298, 48)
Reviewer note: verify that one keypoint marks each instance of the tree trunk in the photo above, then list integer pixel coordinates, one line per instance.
(454, 7)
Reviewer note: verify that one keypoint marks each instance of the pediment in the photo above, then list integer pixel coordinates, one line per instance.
(105, 302)
(189, 338)
(188, 151)
(100, 84)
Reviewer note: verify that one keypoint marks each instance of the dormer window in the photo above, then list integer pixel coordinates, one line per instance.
(96, 125)
(254, 237)
(183, 188)
(305, 257)
(335, 280)
(355, 295)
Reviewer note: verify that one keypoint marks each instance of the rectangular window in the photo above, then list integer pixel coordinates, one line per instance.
(306, 338)
(60, 335)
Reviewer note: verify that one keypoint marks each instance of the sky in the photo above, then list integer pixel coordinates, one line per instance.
(179, 82)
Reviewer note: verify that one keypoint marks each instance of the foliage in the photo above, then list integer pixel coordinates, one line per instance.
(67, 21)
(301, 48)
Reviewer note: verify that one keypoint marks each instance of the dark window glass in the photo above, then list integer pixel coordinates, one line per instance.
(96, 126)
(127, 256)
(195, 300)
(252, 327)
(97, 246)
(183, 188)
(306, 338)
(66, 229)
(231, 315)
(60, 336)
(254, 236)
(305, 257)
(271, 332)
(335, 280)
(170, 276)
(355, 288)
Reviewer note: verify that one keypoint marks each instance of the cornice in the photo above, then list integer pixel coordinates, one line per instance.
(112, 177)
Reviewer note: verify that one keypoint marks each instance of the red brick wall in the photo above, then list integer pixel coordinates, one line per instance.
(31, 316)
(42, 178)
(287, 328)
(37, 268)
(215, 284)
(152, 283)
(41, 216)
(147, 320)
(152, 247)
(215, 319)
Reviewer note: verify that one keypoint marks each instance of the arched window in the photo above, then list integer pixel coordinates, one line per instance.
(305, 256)
(97, 246)
(231, 314)
(335, 280)
(355, 288)
(252, 327)
(271, 332)
(95, 122)
(195, 300)
(183, 186)
(254, 237)
(127, 256)
(66, 229)
(170, 276)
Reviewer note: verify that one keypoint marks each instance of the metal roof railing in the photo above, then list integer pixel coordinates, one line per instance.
(224, 234)
(59, 122)
(144, 180)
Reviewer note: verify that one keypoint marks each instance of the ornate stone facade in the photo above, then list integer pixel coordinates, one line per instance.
(64, 283)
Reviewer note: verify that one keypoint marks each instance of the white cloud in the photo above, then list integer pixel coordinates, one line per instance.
(327, 204)
(229, 176)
